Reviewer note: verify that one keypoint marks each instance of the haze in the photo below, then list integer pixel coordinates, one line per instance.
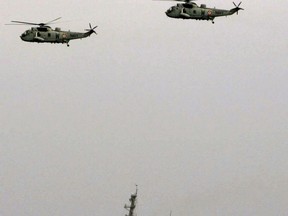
(194, 113)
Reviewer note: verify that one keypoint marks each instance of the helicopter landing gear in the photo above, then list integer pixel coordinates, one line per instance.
(213, 22)
(68, 45)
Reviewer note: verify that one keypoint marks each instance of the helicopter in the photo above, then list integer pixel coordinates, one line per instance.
(45, 34)
(190, 10)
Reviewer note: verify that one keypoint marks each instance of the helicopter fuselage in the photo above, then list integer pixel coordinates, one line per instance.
(193, 11)
(48, 35)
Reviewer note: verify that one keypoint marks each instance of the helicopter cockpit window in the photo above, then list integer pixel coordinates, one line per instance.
(170, 9)
(25, 33)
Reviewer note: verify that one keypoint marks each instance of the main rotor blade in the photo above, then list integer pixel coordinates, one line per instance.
(239, 4)
(25, 23)
(30, 23)
(52, 20)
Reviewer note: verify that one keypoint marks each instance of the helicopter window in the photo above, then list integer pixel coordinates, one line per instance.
(194, 11)
(25, 33)
(49, 34)
(42, 29)
(188, 5)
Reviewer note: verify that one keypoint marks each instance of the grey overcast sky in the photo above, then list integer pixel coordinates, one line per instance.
(194, 113)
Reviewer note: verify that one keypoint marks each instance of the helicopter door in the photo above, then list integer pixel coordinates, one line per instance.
(37, 35)
(57, 36)
(202, 12)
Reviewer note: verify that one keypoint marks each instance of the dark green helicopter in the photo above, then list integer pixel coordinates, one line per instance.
(190, 10)
(45, 34)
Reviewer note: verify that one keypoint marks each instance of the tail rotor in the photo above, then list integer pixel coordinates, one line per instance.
(91, 30)
(237, 7)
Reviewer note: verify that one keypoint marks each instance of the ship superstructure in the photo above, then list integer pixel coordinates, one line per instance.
(133, 202)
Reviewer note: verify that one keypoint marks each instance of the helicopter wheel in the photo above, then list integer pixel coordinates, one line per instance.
(68, 45)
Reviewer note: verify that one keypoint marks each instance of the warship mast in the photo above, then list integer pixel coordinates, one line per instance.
(132, 206)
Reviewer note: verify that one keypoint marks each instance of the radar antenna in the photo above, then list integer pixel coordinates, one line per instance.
(132, 206)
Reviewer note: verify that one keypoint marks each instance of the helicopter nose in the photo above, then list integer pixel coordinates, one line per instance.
(22, 37)
(167, 13)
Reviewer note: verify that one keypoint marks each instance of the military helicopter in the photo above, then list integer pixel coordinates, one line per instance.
(45, 34)
(190, 10)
